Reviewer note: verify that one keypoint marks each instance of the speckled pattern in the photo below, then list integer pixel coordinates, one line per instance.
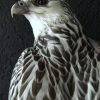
(16, 34)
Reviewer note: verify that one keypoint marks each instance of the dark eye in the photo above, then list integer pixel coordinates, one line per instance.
(40, 2)
(21, 3)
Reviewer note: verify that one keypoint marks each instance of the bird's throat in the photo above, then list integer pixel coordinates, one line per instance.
(39, 26)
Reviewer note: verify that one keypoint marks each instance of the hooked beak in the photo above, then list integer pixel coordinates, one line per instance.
(19, 8)
(14, 10)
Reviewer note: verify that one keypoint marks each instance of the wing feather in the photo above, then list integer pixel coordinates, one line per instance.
(21, 74)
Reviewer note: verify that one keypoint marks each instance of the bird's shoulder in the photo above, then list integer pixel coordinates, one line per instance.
(24, 64)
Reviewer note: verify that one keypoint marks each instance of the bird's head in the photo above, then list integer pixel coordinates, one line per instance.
(41, 13)
(40, 8)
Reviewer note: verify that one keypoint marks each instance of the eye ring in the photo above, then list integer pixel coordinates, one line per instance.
(21, 3)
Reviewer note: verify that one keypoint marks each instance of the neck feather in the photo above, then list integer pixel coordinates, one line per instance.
(42, 27)
(38, 26)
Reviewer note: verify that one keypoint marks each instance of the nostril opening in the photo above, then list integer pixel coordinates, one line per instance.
(21, 3)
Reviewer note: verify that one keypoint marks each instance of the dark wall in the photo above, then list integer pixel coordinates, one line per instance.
(88, 13)
(16, 34)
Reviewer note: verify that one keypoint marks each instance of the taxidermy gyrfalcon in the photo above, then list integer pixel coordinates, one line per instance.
(62, 64)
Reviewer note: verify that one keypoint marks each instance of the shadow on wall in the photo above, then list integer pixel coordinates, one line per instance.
(16, 34)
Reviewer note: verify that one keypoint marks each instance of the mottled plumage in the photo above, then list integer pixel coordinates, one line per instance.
(62, 64)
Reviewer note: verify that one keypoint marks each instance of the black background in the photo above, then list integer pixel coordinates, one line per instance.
(16, 34)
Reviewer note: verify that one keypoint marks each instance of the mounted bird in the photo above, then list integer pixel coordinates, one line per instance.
(62, 64)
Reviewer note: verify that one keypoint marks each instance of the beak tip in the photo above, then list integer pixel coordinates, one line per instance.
(12, 15)
(12, 10)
